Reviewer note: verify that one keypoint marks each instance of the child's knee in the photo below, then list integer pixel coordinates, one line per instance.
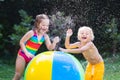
(17, 74)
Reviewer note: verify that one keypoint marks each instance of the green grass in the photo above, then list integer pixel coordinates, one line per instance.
(6, 72)
(112, 69)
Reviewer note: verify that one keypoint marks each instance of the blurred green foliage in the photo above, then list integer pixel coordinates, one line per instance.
(21, 28)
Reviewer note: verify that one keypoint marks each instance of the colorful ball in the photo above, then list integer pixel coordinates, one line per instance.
(54, 65)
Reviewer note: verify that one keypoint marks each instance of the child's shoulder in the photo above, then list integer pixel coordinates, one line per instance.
(46, 35)
(30, 32)
(90, 44)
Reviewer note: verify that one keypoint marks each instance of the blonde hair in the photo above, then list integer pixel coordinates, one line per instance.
(88, 28)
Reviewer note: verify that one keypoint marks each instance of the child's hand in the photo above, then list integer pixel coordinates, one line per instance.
(56, 39)
(62, 49)
(69, 32)
(29, 55)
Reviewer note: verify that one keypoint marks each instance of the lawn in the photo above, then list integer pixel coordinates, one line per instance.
(6, 72)
(112, 69)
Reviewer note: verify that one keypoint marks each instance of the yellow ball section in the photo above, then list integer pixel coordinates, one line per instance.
(40, 66)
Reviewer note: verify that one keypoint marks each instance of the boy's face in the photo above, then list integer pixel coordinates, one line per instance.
(44, 26)
(85, 35)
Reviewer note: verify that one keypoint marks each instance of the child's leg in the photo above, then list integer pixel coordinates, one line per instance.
(98, 71)
(88, 72)
(20, 65)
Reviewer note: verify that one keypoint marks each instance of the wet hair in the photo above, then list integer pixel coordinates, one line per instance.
(88, 28)
(38, 20)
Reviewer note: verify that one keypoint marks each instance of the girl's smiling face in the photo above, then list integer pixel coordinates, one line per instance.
(43, 26)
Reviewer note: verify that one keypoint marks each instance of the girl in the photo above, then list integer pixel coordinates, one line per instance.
(31, 42)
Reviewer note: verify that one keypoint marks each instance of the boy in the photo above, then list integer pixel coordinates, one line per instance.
(95, 66)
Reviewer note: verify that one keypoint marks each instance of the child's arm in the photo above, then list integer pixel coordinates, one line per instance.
(78, 50)
(67, 40)
(49, 45)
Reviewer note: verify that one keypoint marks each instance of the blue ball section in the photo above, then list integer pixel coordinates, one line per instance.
(66, 67)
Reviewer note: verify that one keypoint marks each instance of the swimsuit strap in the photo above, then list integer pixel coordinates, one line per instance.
(35, 33)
